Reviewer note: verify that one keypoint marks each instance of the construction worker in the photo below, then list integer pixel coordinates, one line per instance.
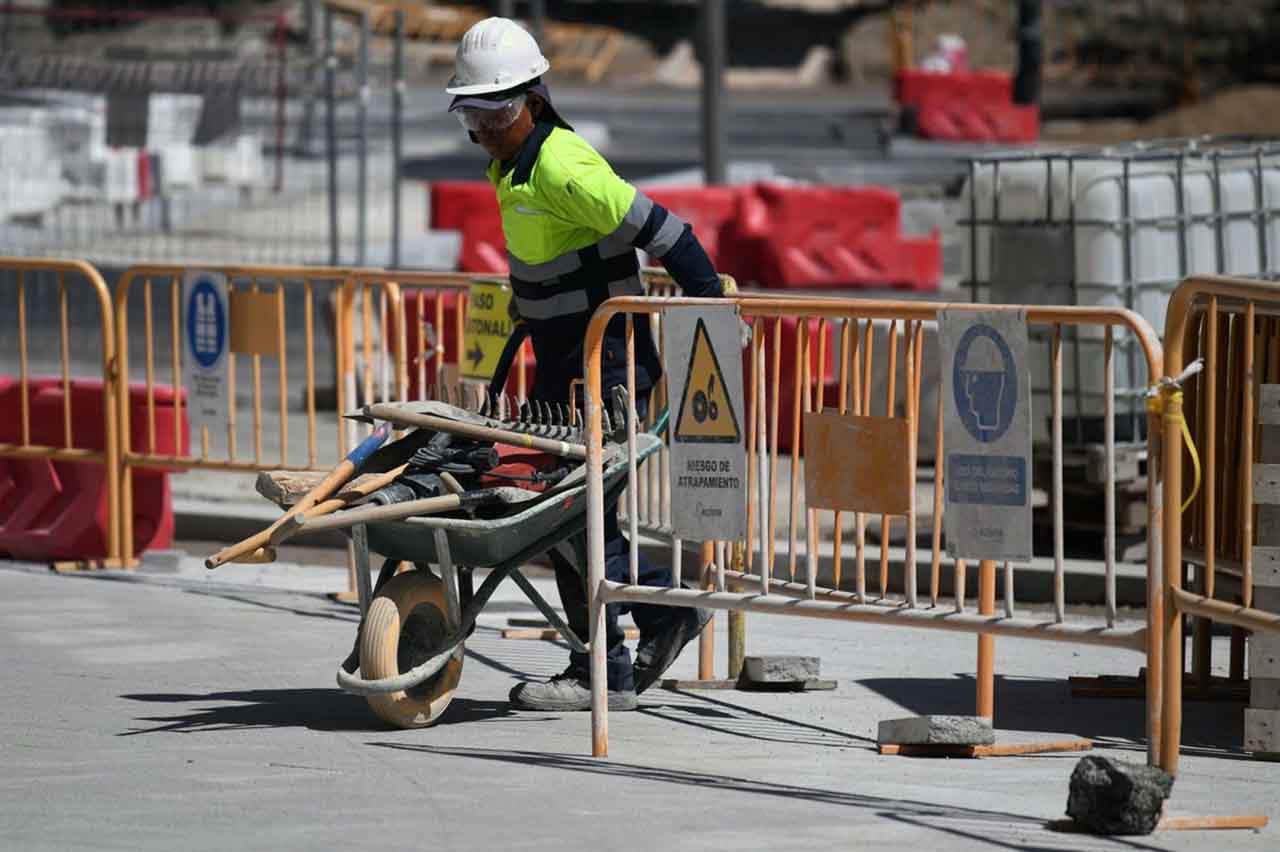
(572, 228)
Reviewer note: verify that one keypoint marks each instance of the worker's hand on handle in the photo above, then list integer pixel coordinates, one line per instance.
(729, 288)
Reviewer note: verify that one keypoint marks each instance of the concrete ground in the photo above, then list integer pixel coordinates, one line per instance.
(177, 708)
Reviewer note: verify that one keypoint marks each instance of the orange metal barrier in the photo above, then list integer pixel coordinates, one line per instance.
(31, 275)
(1230, 323)
(850, 331)
(262, 292)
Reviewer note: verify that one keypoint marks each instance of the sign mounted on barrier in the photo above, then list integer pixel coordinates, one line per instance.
(708, 456)
(987, 397)
(488, 327)
(207, 332)
(854, 464)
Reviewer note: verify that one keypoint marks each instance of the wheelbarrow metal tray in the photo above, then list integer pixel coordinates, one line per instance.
(489, 543)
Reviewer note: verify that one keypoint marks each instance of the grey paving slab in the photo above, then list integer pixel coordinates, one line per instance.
(177, 708)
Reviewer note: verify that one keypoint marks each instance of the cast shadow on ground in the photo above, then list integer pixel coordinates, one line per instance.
(325, 608)
(1046, 705)
(702, 710)
(316, 709)
(998, 829)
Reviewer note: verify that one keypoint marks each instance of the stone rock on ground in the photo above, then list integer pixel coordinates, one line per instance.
(936, 730)
(1114, 797)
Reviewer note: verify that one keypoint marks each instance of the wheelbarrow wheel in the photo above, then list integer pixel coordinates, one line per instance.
(406, 624)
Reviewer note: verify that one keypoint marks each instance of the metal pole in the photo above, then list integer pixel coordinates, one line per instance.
(282, 51)
(8, 24)
(713, 52)
(397, 133)
(309, 95)
(505, 8)
(537, 14)
(1026, 84)
(362, 141)
(331, 133)
(986, 642)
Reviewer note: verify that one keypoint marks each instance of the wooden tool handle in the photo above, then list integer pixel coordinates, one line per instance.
(289, 525)
(336, 478)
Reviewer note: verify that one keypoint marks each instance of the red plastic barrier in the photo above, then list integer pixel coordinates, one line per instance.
(836, 237)
(713, 213)
(472, 208)
(785, 387)
(966, 106)
(778, 236)
(58, 510)
(421, 305)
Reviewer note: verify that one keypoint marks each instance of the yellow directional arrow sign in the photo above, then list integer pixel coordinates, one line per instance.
(488, 327)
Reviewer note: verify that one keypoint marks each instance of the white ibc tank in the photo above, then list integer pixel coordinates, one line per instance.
(1046, 231)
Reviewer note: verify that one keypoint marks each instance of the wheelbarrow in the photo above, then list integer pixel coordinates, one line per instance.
(409, 650)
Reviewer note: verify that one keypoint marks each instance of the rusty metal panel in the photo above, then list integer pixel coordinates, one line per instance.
(857, 464)
(255, 323)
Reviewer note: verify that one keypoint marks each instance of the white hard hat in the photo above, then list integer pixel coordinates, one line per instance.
(494, 55)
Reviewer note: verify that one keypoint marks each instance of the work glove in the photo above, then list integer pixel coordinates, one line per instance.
(729, 287)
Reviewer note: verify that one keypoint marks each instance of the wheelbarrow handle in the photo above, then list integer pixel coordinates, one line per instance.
(391, 512)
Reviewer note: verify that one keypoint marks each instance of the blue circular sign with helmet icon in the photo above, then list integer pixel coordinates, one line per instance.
(984, 382)
(206, 323)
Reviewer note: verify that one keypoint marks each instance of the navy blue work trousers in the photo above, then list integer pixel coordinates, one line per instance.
(571, 581)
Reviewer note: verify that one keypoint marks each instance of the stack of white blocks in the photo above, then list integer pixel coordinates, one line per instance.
(171, 124)
(30, 177)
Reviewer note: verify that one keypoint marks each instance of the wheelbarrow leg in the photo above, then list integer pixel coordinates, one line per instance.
(448, 573)
(550, 614)
(360, 543)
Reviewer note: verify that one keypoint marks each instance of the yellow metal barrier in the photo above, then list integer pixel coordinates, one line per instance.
(851, 329)
(32, 274)
(1231, 324)
(420, 355)
(263, 328)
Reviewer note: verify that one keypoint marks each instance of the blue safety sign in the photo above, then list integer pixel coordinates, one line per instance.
(207, 329)
(206, 322)
(984, 383)
(987, 435)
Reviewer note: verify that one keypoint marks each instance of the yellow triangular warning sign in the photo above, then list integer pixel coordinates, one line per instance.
(706, 412)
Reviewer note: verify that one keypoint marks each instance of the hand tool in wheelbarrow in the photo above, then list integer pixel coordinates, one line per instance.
(556, 439)
(255, 548)
(388, 512)
(393, 507)
(384, 464)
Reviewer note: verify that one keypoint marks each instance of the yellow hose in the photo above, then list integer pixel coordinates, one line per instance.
(1158, 403)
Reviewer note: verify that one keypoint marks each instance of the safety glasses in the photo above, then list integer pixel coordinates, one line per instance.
(494, 120)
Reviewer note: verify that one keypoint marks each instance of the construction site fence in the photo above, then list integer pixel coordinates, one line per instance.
(285, 322)
(787, 542)
(854, 357)
(1219, 465)
(65, 433)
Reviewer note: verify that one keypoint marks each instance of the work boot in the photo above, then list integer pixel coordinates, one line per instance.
(569, 690)
(656, 653)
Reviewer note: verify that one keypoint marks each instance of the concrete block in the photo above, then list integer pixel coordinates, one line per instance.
(1264, 692)
(780, 669)
(1264, 655)
(937, 730)
(1266, 567)
(1267, 598)
(1261, 730)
